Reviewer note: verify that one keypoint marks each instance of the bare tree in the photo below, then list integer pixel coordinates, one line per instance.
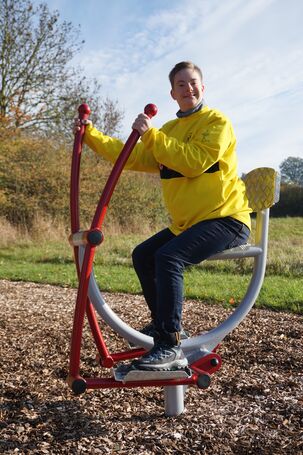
(105, 113)
(39, 89)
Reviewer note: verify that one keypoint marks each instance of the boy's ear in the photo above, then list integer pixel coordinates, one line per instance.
(172, 94)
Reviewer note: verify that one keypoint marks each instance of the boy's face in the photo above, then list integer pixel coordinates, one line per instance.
(188, 89)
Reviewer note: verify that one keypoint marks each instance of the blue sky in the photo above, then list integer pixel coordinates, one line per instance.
(250, 51)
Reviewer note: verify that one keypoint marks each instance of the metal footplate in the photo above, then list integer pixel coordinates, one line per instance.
(128, 373)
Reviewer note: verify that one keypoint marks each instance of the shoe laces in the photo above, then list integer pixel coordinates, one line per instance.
(160, 351)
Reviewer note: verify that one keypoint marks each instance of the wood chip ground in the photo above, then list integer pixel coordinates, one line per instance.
(253, 406)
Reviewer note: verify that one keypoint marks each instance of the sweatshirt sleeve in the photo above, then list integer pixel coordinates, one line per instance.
(206, 147)
(110, 148)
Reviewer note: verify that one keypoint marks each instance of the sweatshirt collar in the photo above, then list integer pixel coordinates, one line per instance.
(181, 114)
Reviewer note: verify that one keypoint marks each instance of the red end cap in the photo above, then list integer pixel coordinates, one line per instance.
(108, 362)
(84, 109)
(150, 110)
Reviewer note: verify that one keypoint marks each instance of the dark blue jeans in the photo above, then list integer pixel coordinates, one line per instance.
(160, 262)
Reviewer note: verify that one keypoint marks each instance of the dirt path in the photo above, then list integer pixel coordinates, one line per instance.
(254, 404)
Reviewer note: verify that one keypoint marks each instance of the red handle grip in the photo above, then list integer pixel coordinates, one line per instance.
(84, 111)
(150, 110)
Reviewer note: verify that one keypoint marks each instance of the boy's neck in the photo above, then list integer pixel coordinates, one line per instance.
(181, 114)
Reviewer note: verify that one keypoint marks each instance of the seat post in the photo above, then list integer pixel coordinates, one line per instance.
(262, 226)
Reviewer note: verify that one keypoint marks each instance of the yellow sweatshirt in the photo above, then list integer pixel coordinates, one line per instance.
(196, 159)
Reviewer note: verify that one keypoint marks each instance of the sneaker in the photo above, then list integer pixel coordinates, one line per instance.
(162, 357)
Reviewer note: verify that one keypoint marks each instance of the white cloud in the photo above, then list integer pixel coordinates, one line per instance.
(250, 51)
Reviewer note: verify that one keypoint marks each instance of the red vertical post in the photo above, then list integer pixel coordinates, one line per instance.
(86, 268)
(84, 112)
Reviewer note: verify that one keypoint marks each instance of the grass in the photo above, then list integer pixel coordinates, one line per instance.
(49, 260)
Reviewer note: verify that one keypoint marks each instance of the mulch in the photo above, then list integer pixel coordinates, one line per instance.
(253, 406)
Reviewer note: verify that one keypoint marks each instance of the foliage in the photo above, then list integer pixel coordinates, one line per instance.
(137, 203)
(34, 179)
(290, 203)
(31, 180)
(292, 170)
(39, 89)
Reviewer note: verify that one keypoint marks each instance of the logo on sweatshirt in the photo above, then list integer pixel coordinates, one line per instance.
(188, 137)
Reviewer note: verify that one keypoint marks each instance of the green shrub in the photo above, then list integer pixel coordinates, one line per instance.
(34, 181)
(290, 203)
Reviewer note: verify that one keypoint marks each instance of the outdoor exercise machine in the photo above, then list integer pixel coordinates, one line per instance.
(262, 187)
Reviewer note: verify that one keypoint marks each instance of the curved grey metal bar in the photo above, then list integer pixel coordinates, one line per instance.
(206, 341)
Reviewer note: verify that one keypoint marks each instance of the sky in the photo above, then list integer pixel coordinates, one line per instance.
(250, 52)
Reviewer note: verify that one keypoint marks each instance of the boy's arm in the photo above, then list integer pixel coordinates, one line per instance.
(109, 148)
(196, 156)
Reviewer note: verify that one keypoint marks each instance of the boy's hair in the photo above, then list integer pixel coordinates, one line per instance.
(181, 66)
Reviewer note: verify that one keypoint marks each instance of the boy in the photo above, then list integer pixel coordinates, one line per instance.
(195, 156)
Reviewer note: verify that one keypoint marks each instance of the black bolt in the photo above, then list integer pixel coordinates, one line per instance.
(203, 381)
(214, 362)
(95, 237)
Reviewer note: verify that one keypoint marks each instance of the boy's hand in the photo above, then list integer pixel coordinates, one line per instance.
(142, 124)
(77, 124)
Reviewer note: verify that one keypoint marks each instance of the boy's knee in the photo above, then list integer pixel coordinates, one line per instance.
(137, 254)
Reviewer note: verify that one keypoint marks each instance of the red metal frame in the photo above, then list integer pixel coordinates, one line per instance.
(205, 366)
